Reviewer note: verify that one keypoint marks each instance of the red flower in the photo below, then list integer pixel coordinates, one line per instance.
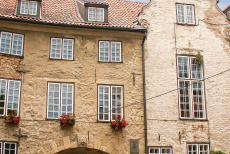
(118, 117)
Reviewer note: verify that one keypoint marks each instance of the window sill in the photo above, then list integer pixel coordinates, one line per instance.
(181, 24)
(53, 59)
(195, 120)
(121, 62)
(30, 16)
(11, 56)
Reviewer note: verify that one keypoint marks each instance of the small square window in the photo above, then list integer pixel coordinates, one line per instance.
(29, 7)
(198, 148)
(110, 51)
(96, 14)
(160, 150)
(9, 148)
(185, 14)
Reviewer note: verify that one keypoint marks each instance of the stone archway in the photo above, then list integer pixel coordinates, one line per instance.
(81, 150)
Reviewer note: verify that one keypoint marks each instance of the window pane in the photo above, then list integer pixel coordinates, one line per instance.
(104, 102)
(33, 7)
(17, 44)
(204, 149)
(183, 67)
(196, 69)
(100, 14)
(189, 14)
(67, 99)
(117, 104)
(180, 13)
(103, 51)
(13, 97)
(56, 45)
(92, 14)
(184, 97)
(192, 149)
(198, 102)
(154, 151)
(3, 86)
(67, 49)
(5, 42)
(53, 100)
(166, 151)
(24, 7)
(9, 148)
(115, 51)
(1, 147)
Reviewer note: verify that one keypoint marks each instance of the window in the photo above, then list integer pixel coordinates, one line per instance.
(11, 43)
(29, 7)
(191, 88)
(96, 14)
(9, 96)
(61, 48)
(185, 13)
(198, 148)
(110, 102)
(60, 99)
(109, 51)
(160, 150)
(8, 148)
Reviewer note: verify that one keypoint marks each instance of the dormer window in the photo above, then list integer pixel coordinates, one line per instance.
(29, 7)
(96, 14)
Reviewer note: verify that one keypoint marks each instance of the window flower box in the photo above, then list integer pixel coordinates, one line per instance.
(119, 123)
(67, 120)
(11, 118)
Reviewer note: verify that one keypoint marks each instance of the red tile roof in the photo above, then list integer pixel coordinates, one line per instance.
(122, 13)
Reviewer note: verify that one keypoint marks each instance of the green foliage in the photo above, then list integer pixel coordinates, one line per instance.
(217, 152)
(199, 59)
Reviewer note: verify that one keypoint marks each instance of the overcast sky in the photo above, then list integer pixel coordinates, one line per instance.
(223, 3)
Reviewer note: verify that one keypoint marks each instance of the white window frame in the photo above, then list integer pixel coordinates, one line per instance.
(60, 99)
(110, 51)
(184, 15)
(198, 147)
(28, 3)
(4, 143)
(95, 18)
(110, 101)
(160, 149)
(191, 81)
(62, 48)
(7, 98)
(1, 149)
(12, 43)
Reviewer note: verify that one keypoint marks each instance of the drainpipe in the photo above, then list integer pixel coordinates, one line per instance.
(144, 93)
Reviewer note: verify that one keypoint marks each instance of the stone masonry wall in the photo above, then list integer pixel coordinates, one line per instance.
(165, 40)
(46, 136)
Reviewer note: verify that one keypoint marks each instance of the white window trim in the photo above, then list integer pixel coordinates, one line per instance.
(160, 148)
(191, 80)
(11, 43)
(185, 14)
(198, 147)
(6, 96)
(110, 52)
(62, 48)
(3, 149)
(110, 101)
(95, 9)
(109, 105)
(28, 5)
(60, 99)
(1, 145)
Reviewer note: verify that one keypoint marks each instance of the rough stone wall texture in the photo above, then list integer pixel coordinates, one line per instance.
(46, 136)
(165, 40)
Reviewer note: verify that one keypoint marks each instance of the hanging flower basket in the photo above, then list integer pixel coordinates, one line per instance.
(12, 118)
(67, 120)
(199, 59)
(119, 123)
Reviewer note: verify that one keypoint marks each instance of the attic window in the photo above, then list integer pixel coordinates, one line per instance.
(29, 7)
(96, 14)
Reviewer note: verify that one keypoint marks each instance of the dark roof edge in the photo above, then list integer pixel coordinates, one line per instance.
(226, 9)
(75, 26)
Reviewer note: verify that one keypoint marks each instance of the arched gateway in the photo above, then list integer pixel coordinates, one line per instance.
(81, 150)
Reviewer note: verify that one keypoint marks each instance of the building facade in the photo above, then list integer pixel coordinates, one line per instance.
(187, 64)
(73, 61)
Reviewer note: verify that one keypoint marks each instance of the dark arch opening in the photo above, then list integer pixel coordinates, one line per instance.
(81, 150)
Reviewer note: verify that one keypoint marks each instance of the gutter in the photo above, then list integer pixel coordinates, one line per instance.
(144, 93)
(73, 26)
